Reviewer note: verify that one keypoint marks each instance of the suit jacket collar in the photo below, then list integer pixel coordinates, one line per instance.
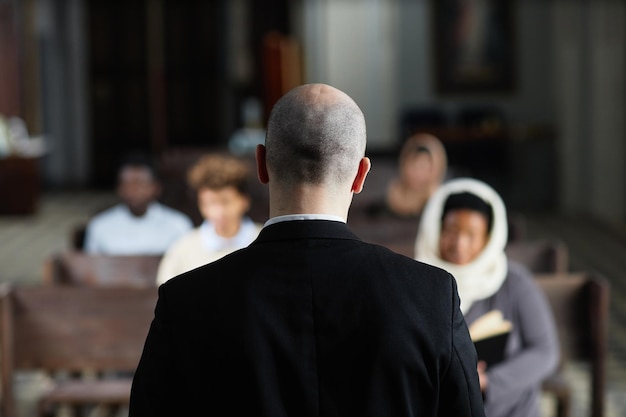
(305, 229)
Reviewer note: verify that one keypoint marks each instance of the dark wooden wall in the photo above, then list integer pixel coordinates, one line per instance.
(10, 82)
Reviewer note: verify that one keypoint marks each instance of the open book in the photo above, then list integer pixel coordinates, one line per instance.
(490, 333)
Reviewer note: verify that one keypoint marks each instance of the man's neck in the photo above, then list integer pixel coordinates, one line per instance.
(308, 200)
(228, 231)
(138, 212)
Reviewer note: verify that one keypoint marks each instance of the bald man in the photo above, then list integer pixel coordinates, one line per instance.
(309, 320)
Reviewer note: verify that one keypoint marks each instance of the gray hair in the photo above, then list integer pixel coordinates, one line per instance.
(313, 138)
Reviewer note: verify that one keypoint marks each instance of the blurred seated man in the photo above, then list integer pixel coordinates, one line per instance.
(221, 184)
(139, 224)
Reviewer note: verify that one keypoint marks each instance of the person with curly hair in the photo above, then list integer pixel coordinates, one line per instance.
(221, 184)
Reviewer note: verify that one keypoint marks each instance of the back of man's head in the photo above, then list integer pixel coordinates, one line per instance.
(316, 135)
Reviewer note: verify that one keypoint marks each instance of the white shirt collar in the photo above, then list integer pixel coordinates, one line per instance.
(293, 217)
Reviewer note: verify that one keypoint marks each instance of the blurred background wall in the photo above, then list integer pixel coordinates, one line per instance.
(97, 77)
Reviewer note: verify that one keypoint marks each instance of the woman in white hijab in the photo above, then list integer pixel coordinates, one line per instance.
(463, 230)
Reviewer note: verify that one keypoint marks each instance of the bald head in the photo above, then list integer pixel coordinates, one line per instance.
(315, 135)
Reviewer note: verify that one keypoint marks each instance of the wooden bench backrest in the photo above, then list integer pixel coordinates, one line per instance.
(79, 268)
(580, 305)
(74, 328)
(540, 256)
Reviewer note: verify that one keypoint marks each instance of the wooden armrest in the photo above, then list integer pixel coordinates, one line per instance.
(82, 392)
(557, 384)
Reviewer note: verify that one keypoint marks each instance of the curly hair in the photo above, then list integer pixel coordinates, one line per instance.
(218, 171)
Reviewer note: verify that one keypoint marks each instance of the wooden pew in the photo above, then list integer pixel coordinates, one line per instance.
(69, 328)
(542, 256)
(580, 304)
(79, 268)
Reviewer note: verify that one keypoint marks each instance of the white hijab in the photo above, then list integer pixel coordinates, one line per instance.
(484, 275)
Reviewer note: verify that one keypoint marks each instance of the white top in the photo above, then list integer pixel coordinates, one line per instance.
(117, 231)
(202, 246)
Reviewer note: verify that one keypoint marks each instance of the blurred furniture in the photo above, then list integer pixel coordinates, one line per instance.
(82, 269)
(12, 76)
(19, 185)
(487, 119)
(282, 67)
(162, 91)
(174, 163)
(77, 236)
(421, 119)
(478, 144)
(540, 256)
(394, 233)
(72, 329)
(483, 145)
(580, 304)
(518, 228)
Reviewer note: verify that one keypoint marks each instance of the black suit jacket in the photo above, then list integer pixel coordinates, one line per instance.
(308, 321)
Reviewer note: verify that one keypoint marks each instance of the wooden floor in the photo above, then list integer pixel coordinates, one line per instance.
(25, 242)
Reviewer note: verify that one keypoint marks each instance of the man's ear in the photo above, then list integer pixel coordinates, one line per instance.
(261, 165)
(364, 167)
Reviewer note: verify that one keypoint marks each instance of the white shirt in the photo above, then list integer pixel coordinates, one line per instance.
(201, 246)
(292, 217)
(211, 241)
(117, 231)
